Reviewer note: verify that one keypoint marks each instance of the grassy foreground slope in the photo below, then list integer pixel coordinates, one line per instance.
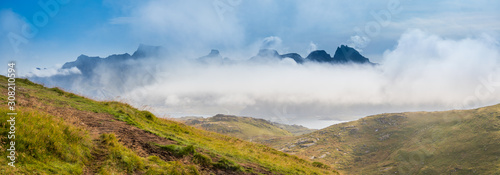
(246, 128)
(449, 142)
(63, 133)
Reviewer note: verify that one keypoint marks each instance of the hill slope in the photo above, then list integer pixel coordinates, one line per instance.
(450, 142)
(246, 128)
(63, 133)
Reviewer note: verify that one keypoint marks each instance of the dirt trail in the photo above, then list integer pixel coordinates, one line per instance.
(130, 136)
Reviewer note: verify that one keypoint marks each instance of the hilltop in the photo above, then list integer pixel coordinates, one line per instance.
(246, 128)
(449, 142)
(64, 133)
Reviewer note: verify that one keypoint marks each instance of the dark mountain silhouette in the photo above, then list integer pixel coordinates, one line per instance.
(320, 56)
(265, 54)
(214, 57)
(214, 53)
(343, 55)
(147, 51)
(268, 53)
(87, 64)
(118, 73)
(107, 77)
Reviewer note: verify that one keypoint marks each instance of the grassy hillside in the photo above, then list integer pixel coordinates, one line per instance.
(246, 128)
(295, 129)
(63, 133)
(450, 142)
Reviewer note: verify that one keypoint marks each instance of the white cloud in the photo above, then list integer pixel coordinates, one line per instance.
(451, 24)
(423, 72)
(10, 21)
(55, 71)
(191, 25)
(197, 25)
(358, 42)
(429, 69)
(312, 47)
(272, 42)
(11, 25)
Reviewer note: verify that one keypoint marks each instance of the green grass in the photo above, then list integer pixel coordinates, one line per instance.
(227, 164)
(462, 142)
(202, 159)
(246, 128)
(233, 149)
(121, 160)
(217, 150)
(179, 151)
(44, 145)
(119, 157)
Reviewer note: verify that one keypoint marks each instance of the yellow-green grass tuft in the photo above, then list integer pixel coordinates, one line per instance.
(44, 144)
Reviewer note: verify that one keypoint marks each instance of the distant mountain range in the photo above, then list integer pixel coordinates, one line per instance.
(111, 76)
(106, 77)
(343, 55)
(87, 65)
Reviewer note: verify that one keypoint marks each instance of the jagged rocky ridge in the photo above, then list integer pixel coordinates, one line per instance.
(343, 54)
(111, 76)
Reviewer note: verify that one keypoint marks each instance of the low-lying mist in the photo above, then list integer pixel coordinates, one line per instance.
(422, 72)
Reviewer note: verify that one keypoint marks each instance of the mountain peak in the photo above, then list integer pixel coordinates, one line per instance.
(214, 53)
(147, 51)
(268, 53)
(319, 56)
(213, 57)
(345, 54)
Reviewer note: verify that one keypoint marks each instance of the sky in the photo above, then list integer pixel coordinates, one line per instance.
(434, 55)
(101, 28)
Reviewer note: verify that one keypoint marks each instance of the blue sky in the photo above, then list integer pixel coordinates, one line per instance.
(236, 27)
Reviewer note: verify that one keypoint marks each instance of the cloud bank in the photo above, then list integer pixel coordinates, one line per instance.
(422, 72)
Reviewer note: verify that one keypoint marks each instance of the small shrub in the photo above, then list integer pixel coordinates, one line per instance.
(125, 159)
(56, 89)
(227, 164)
(180, 151)
(148, 115)
(320, 165)
(202, 159)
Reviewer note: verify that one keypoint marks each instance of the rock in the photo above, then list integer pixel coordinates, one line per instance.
(307, 145)
(384, 137)
(353, 131)
(305, 141)
(390, 120)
